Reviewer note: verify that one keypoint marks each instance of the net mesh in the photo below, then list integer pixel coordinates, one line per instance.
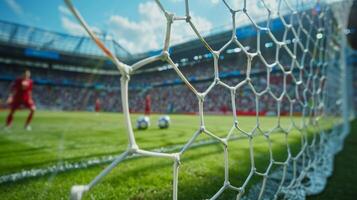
(309, 63)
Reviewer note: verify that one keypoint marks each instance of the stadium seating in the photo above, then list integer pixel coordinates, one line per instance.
(63, 90)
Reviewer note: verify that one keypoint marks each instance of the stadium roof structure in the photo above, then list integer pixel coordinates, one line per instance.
(40, 39)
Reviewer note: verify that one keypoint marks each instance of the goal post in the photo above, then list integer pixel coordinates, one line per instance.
(315, 80)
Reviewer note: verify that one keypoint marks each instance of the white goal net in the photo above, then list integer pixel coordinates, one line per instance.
(308, 59)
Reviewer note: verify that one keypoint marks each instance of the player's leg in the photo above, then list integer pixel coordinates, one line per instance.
(147, 111)
(31, 106)
(10, 117)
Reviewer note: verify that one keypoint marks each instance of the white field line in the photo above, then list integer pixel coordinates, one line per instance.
(64, 166)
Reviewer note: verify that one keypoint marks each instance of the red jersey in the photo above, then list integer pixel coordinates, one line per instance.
(147, 105)
(224, 109)
(97, 105)
(22, 89)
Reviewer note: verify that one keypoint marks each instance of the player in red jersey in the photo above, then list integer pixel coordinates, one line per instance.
(147, 105)
(224, 109)
(97, 105)
(21, 94)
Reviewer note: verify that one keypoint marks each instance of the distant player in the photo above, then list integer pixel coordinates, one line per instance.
(97, 105)
(21, 95)
(147, 105)
(224, 109)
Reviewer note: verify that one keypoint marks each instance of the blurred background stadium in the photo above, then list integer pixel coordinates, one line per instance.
(71, 73)
(66, 67)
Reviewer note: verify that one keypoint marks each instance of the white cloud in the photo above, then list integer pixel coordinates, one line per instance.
(71, 25)
(147, 33)
(181, 31)
(14, 6)
(64, 10)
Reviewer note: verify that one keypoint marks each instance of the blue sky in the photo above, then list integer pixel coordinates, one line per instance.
(138, 25)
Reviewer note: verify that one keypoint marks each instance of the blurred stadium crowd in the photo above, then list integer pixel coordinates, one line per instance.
(63, 90)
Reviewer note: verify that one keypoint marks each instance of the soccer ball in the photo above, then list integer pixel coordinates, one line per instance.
(143, 122)
(164, 122)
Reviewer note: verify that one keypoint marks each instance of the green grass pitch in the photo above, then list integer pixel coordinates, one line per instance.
(76, 136)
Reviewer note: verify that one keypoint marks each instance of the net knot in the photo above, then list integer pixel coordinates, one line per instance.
(188, 18)
(133, 149)
(165, 55)
(177, 158)
(169, 17)
(201, 96)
